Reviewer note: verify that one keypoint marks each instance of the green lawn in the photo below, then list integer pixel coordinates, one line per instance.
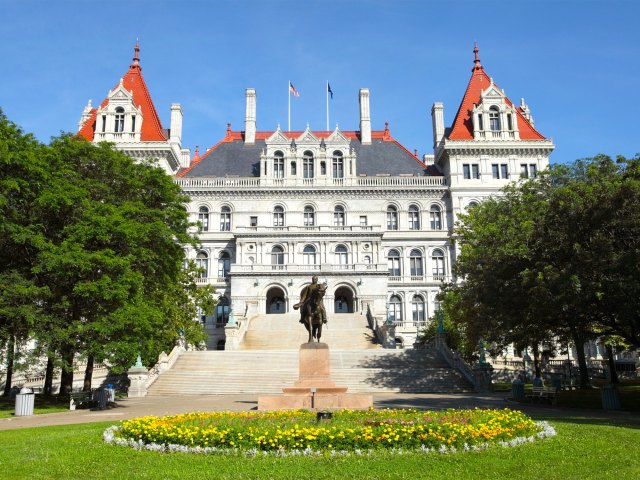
(583, 449)
(42, 404)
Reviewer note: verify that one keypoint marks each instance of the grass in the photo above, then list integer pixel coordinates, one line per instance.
(42, 404)
(584, 448)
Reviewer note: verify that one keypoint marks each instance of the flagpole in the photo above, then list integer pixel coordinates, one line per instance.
(327, 92)
(289, 96)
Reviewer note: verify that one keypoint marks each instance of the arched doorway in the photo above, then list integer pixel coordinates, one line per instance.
(343, 300)
(275, 301)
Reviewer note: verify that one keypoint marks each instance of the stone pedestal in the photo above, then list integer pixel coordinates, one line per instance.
(483, 373)
(138, 377)
(314, 388)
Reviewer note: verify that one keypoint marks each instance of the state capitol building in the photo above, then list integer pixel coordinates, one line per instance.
(370, 218)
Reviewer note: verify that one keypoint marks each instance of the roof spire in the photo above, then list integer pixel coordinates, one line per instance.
(136, 56)
(476, 62)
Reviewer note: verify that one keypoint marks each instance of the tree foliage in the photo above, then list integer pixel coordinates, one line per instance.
(553, 258)
(92, 248)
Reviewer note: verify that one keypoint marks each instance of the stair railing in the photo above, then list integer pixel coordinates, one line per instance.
(454, 360)
(165, 362)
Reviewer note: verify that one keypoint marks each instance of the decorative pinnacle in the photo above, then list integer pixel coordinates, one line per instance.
(136, 56)
(476, 62)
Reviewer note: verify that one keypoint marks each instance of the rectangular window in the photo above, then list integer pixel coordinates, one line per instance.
(480, 122)
(104, 123)
(323, 168)
(504, 171)
(363, 220)
(475, 170)
(524, 171)
(495, 172)
(533, 170)
(253, 221)
(293, 169)
(466, 172)
(133, 123)
(509, 122)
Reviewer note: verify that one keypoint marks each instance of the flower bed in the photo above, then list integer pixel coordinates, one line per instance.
(348, 431)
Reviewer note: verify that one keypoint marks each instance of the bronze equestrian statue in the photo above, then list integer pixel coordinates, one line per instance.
(312, 312)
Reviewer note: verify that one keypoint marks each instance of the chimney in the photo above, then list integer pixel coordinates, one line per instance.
(175, 132)
(250, 117)
(437, 120)
(365, 117)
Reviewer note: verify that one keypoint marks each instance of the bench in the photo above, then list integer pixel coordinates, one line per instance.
(539, 394)
(79, 398)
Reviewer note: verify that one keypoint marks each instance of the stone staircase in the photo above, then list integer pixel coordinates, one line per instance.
(348, 331)
(268, 371)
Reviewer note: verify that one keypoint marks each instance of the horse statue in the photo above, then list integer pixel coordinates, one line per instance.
(312, 312)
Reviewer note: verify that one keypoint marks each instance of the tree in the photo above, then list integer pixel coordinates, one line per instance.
(554, 258)
(114, 233)
(22, 175)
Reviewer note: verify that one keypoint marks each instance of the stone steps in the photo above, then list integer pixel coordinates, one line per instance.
(268, 371)
(284, 332)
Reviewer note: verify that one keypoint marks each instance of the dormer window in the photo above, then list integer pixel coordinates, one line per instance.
(338, 165)
(119, 126)
(494, 119)
(278, 165)
(307, 164)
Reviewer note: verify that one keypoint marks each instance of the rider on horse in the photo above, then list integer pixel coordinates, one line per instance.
(306, 295)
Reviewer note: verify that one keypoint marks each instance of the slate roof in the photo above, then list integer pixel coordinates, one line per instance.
(462, 128)
(133, 81)
(231, 157)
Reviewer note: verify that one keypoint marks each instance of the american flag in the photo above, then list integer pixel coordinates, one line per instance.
(293, 90)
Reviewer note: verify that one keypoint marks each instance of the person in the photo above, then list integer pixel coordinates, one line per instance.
(305, 295)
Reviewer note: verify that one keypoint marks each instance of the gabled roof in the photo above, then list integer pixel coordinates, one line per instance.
(462, 128)
(133, 81)
(231, 156)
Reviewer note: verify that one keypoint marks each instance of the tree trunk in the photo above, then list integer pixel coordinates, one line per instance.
(613, 375)
(88, 374)
(66, 376)
(11, 352)
(536, 360)
(582, 362)
(48, 375)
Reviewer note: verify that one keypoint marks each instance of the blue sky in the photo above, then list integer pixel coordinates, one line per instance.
(576, 63)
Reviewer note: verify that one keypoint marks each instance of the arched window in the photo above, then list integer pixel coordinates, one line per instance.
(414, 217)
(225, 219)
(119, 126)
(278, 165)
(338, 165)
(437, 264)
(417, 308)
(309, 255)
(309, 216)
(392, 218)
(202, 262)
(307, 164)
(394, 263)
(472, 205)
(278, 216)
(435, 217)
(203, 218)
(277, 258)
(342, 255)
(494, 119)
(395, 310)
(338, 216)
(224, 265)
(415, 264)
(367, 260)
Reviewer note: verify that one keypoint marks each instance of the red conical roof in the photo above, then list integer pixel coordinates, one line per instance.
(133, 81)
(462, 128)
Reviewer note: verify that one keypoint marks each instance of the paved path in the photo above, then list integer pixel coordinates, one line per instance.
(137, 407)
